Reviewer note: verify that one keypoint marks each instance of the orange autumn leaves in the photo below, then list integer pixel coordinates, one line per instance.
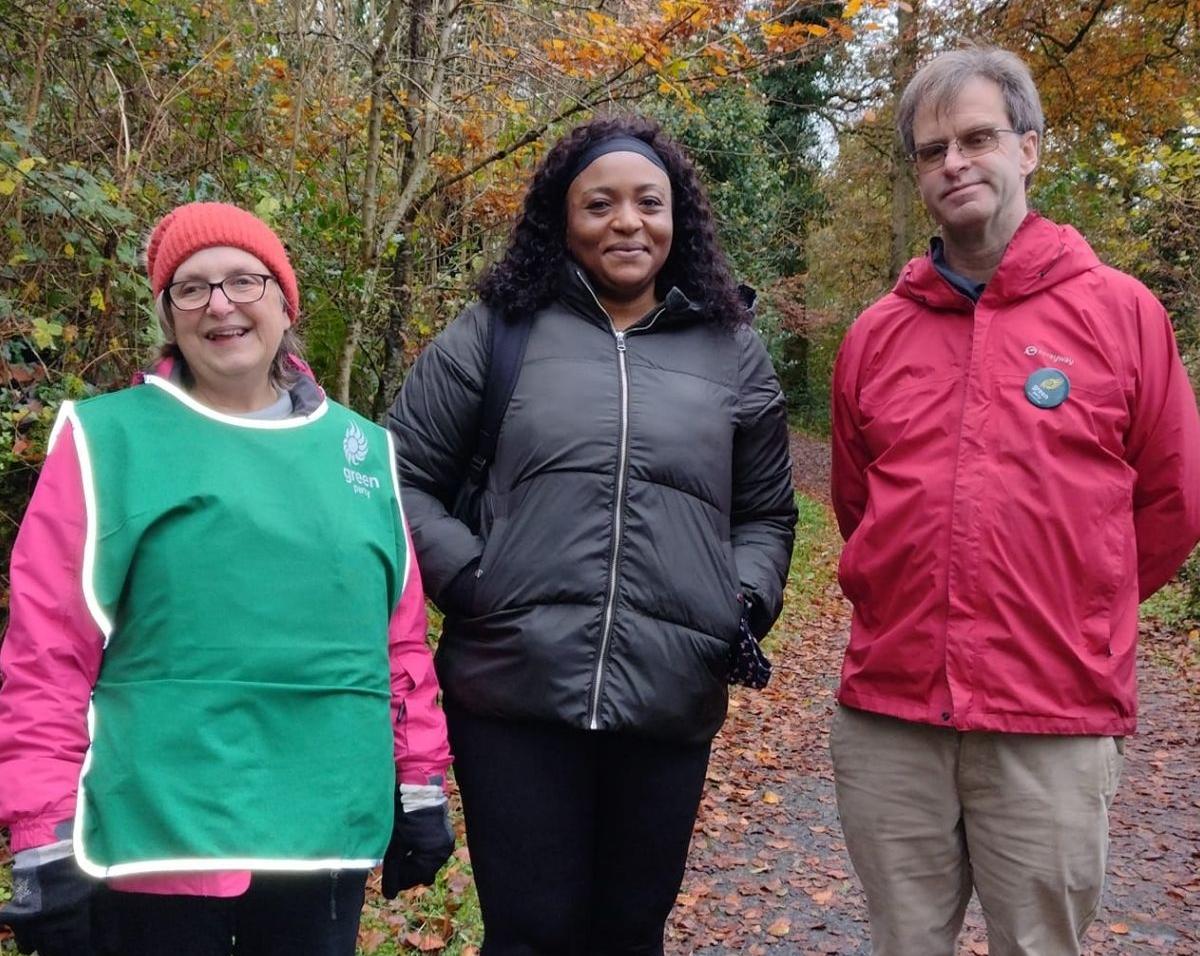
(689, 46)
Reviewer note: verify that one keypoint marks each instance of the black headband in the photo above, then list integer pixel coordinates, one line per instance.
(617, 144)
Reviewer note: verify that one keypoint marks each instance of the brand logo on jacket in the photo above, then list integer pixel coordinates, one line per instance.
(1048, 356)
(355, 447)
(23, 890)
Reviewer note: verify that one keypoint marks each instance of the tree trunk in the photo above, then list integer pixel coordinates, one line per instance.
(394, 335)
(369, 243)
(797, 388)
(303, 15)
(903, 191)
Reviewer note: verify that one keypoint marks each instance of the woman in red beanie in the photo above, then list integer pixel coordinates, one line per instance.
(218, 709)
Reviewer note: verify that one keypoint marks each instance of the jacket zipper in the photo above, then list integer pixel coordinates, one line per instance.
(948, 715)
(610, 601)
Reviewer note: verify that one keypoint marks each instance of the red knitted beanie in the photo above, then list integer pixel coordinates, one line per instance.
(199, 225)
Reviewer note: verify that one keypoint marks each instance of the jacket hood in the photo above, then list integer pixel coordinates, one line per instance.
(1041, 254)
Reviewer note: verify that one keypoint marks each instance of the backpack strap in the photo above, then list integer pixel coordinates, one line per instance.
(508, 341)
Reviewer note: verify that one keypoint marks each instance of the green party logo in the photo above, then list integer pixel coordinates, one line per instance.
(354, 447)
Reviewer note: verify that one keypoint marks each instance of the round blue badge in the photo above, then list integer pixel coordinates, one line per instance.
(1047, 387)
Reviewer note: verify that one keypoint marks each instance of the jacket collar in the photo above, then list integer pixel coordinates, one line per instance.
(577, 294)
(1041, 254)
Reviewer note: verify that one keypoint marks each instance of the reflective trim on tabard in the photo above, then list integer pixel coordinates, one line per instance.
(87, 479)
(392, 469)
(298, 421)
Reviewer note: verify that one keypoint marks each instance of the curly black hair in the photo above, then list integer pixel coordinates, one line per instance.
(529, 275)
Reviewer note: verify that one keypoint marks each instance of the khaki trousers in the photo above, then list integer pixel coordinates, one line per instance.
(930, 813)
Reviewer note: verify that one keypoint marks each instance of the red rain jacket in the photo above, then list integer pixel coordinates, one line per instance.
(995, 550)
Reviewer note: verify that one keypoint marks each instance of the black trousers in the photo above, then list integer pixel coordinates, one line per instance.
(281, 914)
(578, 840)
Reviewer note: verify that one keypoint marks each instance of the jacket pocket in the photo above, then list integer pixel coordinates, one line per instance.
(493, 547)
(733, 590)
(1113, 563)
(850, 577)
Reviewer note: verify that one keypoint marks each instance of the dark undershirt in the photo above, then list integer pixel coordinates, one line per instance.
(968, 287)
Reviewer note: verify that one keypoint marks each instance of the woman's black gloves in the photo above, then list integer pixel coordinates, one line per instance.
(50, 910)
(422, 839)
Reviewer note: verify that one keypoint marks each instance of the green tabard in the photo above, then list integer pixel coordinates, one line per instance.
(249, 570)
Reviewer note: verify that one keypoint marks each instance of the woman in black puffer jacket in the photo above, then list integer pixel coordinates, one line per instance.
(638, 509)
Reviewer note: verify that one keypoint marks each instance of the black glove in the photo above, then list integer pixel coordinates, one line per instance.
(422, 842)
(51, 908)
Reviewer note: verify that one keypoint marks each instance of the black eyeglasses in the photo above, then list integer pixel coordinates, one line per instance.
(243, 288)
(975, 143)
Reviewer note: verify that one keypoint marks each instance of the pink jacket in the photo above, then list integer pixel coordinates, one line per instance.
(51, 657)
(996, 551)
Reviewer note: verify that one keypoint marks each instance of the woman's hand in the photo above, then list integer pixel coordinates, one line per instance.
(50, 911)
(422, 842)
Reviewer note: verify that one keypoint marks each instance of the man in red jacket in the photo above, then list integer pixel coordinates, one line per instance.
(1016, 464)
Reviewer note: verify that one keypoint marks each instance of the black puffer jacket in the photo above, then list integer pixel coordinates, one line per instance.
(641, 485)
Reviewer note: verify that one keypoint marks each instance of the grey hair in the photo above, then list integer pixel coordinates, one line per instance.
(282, 373)
(938, 83)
